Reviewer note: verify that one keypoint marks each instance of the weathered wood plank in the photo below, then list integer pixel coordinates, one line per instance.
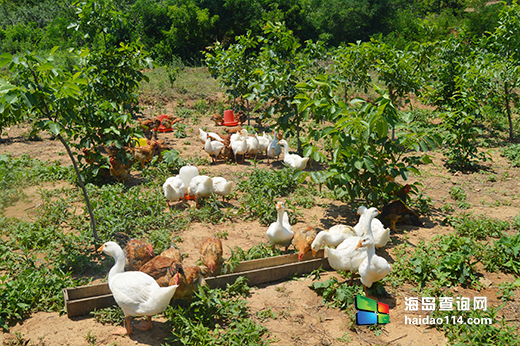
(264, 275)
(274, 261)
(84, 306)
(88, 291)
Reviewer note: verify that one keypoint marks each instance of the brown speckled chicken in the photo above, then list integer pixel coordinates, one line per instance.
(119, 170)
(161, 146)
(157, 268)
(302, 241)
(149, 127)
(169, 121)
(217, 119)
(241, 117)
(211, 254)
(397, 211)
(173, 253)
(143, 154)
(188, 278)
(232, 130)
(137, 252)
(89, 155)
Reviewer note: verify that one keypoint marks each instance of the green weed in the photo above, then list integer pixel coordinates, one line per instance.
(111, 315)
(261, 187)
(238, 255)
(216, 317)
(492, 329)
(512, 154)
(477, 227)
(458, 193)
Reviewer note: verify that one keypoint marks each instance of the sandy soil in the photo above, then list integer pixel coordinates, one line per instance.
(302, 318)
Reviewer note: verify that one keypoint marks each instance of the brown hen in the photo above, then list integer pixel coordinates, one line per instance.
(217, 119)
(302, 241)
(173, 253)
(137, 251)
(188, 278)
(143, 154)
(150, 127)
(211, 254)
(157, 268)
(119, 170)
(241, 117)
(396, 211)
(169, 121)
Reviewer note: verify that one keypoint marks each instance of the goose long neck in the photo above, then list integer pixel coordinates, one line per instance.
(285, 148)
(280, 215)
(371, 251)
(119, 266)
(367, 223)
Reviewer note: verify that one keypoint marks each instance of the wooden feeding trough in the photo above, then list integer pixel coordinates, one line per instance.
(84, 299)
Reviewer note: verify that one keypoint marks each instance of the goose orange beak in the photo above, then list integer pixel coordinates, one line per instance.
(314, 253)
(358, 245)
(100, 249)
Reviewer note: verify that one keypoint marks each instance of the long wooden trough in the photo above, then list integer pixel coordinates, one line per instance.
(84, 299)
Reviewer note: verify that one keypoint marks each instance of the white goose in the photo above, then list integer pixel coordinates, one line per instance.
(213, 148)
(333, 237)
(173, 189)
(221, 186)
(374, 267)
(239, 147)
(136, 293)
(380, 234)
(280, 232)
(294, 160)
(347, 256)
(203, 135)
(253, 145)
(274, 148)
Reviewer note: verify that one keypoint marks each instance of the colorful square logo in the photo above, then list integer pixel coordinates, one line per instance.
(371, 312)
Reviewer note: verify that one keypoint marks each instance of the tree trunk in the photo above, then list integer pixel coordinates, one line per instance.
(82, 186)
(248, 117)
(508, 110)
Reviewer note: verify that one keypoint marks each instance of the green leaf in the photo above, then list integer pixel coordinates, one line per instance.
(54, 128)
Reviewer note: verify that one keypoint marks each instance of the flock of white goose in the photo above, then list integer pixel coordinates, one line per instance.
(241, 143)
(350, 248)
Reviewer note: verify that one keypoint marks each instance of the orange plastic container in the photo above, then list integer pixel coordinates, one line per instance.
(229, 118)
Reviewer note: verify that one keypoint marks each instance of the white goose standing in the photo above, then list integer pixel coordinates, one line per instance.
(294, 160)
(136, 293)
(280, 232)
(374, 267)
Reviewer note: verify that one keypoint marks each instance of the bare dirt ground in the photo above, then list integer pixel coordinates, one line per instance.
(301, 316)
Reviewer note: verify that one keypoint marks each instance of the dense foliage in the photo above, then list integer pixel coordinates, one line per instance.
(183, 28)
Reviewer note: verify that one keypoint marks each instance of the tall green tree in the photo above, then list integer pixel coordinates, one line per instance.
(87, 107)
(504, 44)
